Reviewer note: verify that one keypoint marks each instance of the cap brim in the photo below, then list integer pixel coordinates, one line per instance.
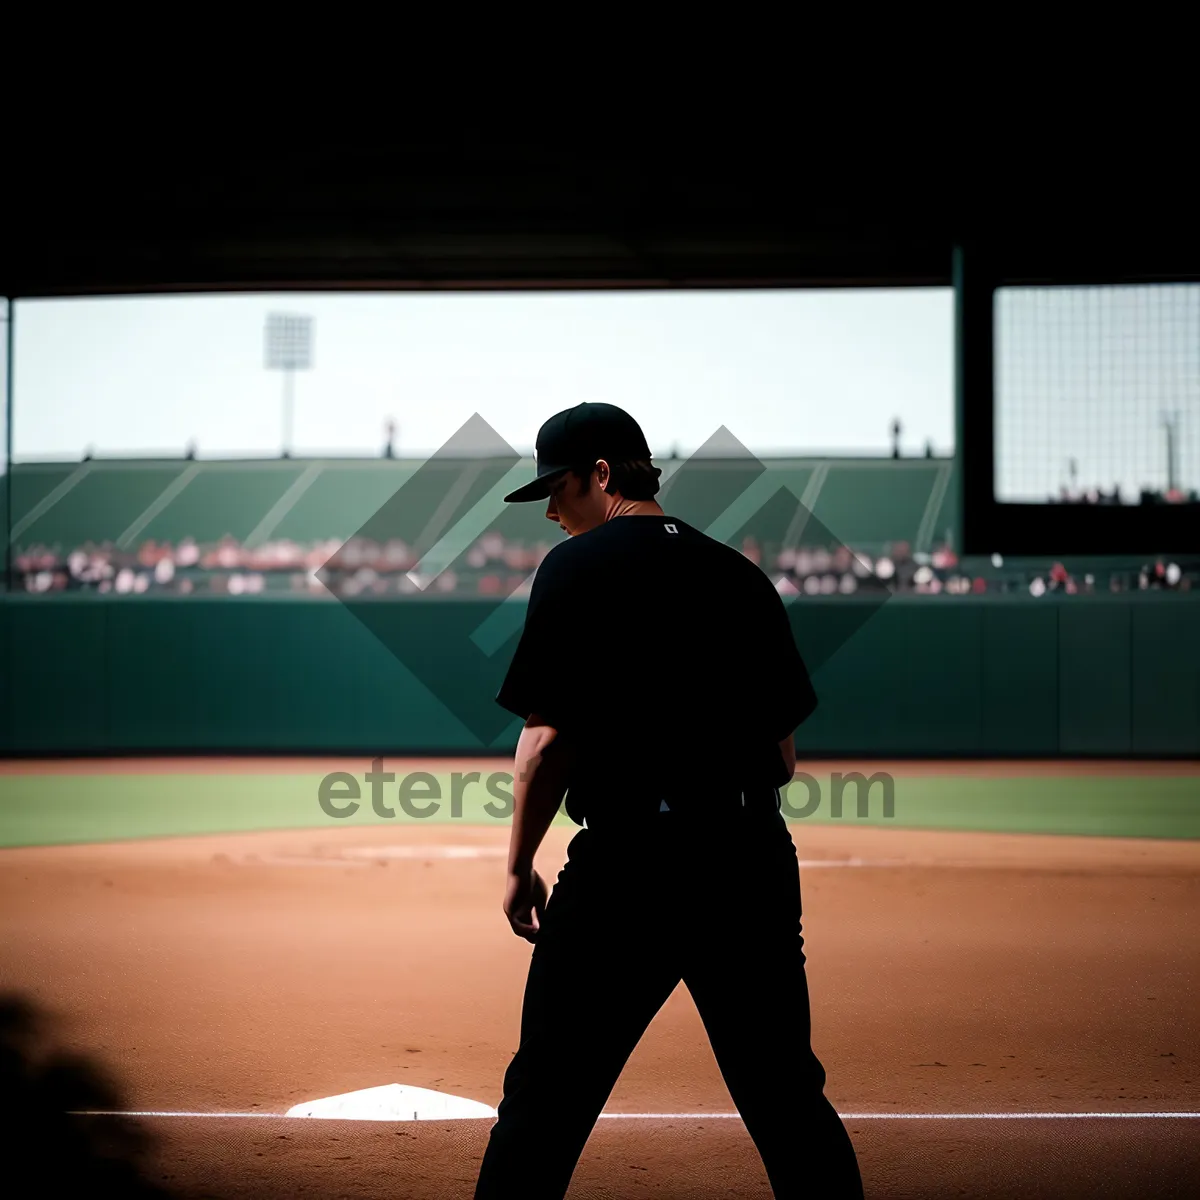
(539, 489)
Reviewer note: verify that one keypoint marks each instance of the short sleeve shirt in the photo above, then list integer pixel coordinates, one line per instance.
(666, 656)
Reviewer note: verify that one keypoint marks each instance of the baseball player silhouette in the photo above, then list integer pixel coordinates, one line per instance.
(660, 687)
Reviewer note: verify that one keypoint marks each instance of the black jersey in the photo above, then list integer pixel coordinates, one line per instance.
(666, 657)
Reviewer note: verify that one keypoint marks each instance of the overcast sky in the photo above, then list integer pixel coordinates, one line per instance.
(810, 371)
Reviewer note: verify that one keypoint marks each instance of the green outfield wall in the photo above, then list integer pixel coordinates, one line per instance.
(971, 676)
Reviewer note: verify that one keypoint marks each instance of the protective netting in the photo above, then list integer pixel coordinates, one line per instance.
(1098, 394)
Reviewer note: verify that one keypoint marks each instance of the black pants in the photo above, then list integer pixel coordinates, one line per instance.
(632, 913)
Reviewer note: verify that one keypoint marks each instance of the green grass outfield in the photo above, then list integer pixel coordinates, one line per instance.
(53, 809)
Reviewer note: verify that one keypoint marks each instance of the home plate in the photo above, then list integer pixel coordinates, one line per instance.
(392, 1102)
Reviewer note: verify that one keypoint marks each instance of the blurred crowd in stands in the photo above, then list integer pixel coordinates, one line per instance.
(1146, 496)
(493, 566)
(356, 567)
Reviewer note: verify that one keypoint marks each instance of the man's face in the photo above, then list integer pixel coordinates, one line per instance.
(573, 508)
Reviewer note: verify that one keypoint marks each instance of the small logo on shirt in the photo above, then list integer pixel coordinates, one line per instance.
(670, 528)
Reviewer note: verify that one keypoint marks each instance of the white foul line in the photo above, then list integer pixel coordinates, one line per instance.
(727, 1116)
(982, 1116)
(189, 1115)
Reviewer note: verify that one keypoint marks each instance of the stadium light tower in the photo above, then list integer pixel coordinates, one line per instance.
(288, 349)
(1170, 422)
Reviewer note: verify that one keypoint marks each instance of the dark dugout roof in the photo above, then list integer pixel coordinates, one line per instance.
(127, 209)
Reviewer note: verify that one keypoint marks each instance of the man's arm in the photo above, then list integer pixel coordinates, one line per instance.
(787, 749)
(541, 772)
(786, 691)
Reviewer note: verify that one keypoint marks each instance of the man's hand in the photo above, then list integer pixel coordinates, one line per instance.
(525, 902)
(540, 775)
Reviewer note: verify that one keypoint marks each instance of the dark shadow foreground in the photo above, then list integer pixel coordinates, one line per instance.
(43, 1146)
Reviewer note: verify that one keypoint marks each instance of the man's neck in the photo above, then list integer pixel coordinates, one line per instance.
(635, 508)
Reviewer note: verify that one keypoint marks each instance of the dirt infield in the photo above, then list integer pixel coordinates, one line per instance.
(678, 1160)
(950, 973)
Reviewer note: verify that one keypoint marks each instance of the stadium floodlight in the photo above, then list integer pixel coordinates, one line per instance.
(288, 349)
(1170, 423)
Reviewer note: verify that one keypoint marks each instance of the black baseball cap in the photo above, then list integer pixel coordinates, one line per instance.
(577, 437)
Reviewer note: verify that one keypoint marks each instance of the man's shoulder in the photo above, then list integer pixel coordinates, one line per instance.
(566, 558)
(551, 562)
(561, 555)
(726, 556)
(559, 565)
